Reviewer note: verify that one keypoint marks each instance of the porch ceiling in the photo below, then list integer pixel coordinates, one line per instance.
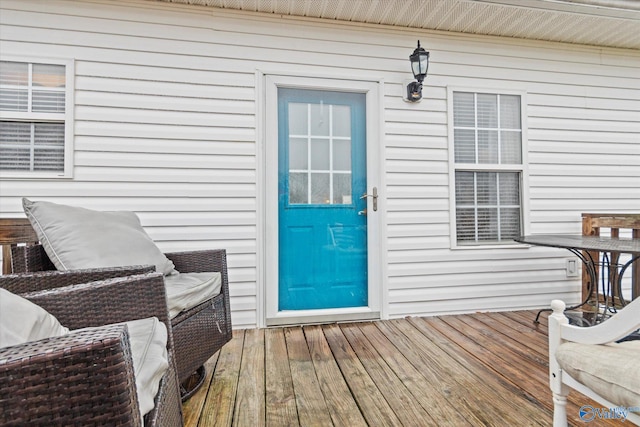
(611, 23)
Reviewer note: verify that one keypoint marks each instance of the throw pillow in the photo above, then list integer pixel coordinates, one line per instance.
(22, 321)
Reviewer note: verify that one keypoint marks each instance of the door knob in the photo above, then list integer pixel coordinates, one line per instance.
(374, 196)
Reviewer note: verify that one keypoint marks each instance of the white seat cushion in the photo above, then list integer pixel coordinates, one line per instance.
(148, 339)
(77, 238)
(22, 321)
(612, 371)
(187, 290)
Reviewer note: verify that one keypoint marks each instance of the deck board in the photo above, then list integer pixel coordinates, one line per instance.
(468, 370)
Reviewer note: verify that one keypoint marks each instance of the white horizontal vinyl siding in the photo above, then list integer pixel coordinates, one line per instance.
(166, 125)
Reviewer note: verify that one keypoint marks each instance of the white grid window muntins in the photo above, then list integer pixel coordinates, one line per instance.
(33, 117)
(319, 154)
(487, 136)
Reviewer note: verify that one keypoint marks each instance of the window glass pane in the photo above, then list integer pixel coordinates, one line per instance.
(342, 120)
(48, 159)
(510, 111)
(49, 134)
(15, 158)
(487, 146)
(319, 120)
(465, 188)
(15, 146)
(298, 158)
(463, 109)
(509, 188)
(487, 110)
(320, 190)
(465, 224)
(464, 145)
(14, 99)
(509, 223)
(487, 188)
(342, 189)
(48, 101)
(511, 147)
(48, 154)
(487, 224)
(320, 154)
(14, 73)
(298, 188)
(48, 75)
(15, 133)
(297, 119)
(341, 155)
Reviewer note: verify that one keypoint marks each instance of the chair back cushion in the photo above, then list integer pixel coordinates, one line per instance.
(79, 238)
(22, 321)
(612, 371)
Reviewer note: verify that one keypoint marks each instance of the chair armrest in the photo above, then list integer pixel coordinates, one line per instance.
(212, 260)
(624, 322)
(40, 380)
(108, 301)
(42, 280)
(199, 261)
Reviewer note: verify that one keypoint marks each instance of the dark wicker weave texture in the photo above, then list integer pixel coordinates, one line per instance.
(86, 377)
(197, 333)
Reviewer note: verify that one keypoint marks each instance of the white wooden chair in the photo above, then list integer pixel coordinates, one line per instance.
(580, 350)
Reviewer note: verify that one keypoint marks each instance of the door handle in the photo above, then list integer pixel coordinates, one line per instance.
(374, 196)
(363, 212)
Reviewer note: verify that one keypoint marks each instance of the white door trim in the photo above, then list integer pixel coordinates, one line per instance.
(373, 92)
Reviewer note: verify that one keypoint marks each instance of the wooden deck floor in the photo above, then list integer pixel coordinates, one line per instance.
(468, 370)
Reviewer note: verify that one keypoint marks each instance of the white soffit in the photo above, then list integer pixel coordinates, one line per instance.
(611, 23)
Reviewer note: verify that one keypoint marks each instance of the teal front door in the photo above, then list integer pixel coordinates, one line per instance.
(322, 230)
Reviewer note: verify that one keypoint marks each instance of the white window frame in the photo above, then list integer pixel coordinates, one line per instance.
(481, 167)
(67, 117)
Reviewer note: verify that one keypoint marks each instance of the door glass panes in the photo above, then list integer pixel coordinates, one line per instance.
(298, 153)
(298, 188)
(342, 155)
(342, 121)
(319, 120)
(319, 154)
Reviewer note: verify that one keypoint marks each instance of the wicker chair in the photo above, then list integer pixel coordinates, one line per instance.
(198, 333)
(86, 377)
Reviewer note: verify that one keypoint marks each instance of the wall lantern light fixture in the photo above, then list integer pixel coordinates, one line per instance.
(419, 65)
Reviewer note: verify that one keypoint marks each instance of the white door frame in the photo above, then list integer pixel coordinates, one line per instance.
(373, 92)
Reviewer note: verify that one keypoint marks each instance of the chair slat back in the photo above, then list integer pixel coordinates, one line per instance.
(592, 225)
(13, 232)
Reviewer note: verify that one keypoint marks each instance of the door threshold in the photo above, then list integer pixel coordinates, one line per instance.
(305, 317)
